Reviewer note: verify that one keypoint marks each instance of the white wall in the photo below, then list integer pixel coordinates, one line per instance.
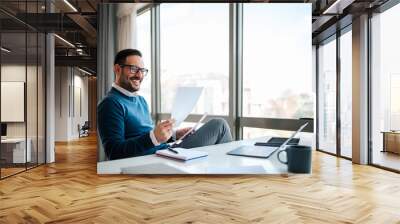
(61, 103)
(33, 126)
(80, 83)
(70, 83)
(13, 73)
(17, 73)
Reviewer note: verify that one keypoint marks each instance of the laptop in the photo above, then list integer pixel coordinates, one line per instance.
(278, 141)
(262, 151)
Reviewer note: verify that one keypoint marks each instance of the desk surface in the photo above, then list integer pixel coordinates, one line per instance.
(217, 162)
(13, 140)
(391, 132)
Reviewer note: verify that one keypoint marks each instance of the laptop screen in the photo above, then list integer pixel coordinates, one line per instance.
(294, 134)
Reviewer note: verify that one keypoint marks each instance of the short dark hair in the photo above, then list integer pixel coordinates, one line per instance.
(121, 56)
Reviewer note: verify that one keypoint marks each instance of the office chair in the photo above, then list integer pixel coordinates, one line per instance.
(84, 130)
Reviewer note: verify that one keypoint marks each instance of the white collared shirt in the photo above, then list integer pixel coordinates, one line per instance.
(124, 91)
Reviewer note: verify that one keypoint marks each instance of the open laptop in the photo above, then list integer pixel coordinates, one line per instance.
(262, 151)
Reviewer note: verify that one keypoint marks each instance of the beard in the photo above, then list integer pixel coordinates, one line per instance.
(131, 84)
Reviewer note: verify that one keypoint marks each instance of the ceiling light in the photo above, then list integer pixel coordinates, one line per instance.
(70, 5)
(65, 41)
(338, 6)
(5, 50)
(84, 71)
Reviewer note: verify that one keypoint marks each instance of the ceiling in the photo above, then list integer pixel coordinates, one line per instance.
(76, 22)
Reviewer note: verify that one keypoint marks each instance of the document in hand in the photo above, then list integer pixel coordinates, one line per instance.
(182, 154)
(185, 100)
(193, 129)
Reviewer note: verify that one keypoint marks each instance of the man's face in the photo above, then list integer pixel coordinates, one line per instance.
(125, 78)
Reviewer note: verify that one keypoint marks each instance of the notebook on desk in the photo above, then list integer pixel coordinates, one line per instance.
(182, 154)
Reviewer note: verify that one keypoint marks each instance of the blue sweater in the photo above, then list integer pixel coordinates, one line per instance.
(124, 125)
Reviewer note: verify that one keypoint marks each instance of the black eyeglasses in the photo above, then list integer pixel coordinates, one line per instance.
(135, 69)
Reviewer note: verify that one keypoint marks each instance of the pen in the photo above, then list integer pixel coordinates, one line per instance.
(173, 150)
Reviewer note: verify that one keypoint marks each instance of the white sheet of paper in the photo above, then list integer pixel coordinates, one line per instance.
(185, 101)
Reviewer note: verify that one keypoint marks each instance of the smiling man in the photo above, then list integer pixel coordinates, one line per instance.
(124, 122)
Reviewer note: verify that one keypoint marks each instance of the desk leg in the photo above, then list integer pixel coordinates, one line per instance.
(384, 143)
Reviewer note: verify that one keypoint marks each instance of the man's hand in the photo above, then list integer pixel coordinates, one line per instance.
(181, 132)
(163, 130)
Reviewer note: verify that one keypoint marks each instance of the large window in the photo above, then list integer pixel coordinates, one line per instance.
(335, 74)
(195, 52)
(277, 74)
(144, 45)
(249, 133)
(194, 47)
(327, 95)
(385, 87)
(346, 94)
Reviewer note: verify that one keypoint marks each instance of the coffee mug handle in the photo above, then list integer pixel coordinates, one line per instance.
(280, 158)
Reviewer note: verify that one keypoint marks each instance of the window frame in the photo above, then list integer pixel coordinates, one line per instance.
(150, 74)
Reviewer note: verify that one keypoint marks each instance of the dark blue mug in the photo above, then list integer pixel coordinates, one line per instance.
(298, 158)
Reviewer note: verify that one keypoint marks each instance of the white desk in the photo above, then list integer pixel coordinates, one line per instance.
(18, 149)
(217, 162)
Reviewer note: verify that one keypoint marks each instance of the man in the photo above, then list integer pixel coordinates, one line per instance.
(124, 121)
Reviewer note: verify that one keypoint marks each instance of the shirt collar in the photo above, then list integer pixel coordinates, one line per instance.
(124, 91)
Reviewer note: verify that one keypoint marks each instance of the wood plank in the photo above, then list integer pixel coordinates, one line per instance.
(70, 191)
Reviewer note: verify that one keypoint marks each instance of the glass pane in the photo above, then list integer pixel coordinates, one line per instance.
(14, 153)
(346, 94)
(249, 133)
(32, 87)
(271, 88)
(144, 46)
(31, 98)
(394, 102)
(194, 52)
(327, 96)
(386, 88)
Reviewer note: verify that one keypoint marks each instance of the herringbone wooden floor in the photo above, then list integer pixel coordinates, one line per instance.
(70, 191)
